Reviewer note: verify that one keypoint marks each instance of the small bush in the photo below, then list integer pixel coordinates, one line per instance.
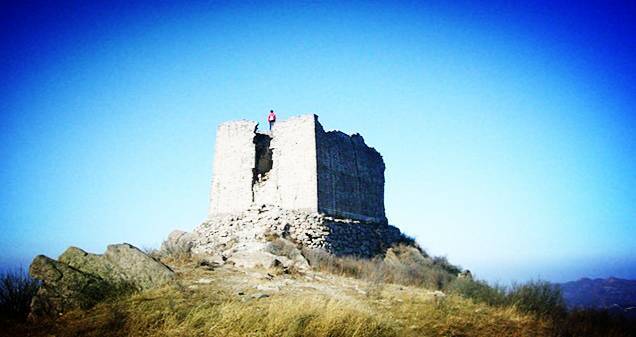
(409, 241)
(538, 297)
(478, 291)
(17, 289)
(95, 292)
(443, 263)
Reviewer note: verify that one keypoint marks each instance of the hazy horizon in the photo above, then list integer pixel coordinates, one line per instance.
(508, 131)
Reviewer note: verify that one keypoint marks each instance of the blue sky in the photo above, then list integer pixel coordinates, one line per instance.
(508, 131)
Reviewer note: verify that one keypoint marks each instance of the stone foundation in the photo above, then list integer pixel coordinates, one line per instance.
(257, 225)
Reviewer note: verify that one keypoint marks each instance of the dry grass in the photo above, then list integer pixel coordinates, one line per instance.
(174, 312)
(216, 310)
(312, 305)
(16, 291)
(406, 265)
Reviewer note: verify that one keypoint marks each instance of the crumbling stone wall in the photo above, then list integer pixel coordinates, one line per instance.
(350, 177)
(297, 166)
(291, 183)
(320, 189)
(243, 177)
(233, 167)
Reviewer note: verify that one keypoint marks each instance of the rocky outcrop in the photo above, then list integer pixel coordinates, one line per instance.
(62, 287)
(250, 239)
(81, 279)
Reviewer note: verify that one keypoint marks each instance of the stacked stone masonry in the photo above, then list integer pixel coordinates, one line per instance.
(350, 177)
(297, 166)
(230, 233)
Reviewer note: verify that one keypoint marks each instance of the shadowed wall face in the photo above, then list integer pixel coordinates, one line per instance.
(350, 177)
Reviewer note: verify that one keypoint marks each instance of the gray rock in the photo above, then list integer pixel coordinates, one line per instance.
(138, 267)
(270, 288)
(178, 243)
(210, 260)
(466, 274)
(253, 259)
(81, 279)
(62, 288)
(259, 296)
(120, 262)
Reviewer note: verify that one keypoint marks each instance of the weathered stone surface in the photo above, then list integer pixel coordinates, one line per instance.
(122, 262)
(234, 160)
(350, 177)
(210, 260)
(290, 255)
(178, 242)
(138, 267)
(297, 166)
(255, 258)
(93, 264)
(81, 279)
(62, 287)
(226, 234)
(320, 190)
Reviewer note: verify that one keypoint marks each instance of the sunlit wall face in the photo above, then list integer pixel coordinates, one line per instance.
(508, 130)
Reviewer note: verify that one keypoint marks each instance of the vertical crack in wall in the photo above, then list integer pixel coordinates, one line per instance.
(263, 160)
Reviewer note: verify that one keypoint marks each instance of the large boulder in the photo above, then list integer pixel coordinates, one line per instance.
(178, 244)
(277, 253)
(81, 279)
(137, 267)
(120, 262)
(62, 287)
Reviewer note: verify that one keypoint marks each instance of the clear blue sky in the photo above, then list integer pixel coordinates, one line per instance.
(508, 131)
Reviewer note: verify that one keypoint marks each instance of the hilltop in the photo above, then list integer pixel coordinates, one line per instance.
(406, 293)
(227, 300)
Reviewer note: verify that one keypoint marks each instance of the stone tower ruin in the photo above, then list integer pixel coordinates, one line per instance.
(297, 166)
(322, 189)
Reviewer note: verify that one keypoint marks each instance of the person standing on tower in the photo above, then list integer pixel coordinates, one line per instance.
(271, 118)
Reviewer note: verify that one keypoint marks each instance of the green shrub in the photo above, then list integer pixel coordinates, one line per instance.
(478, 291)
(409, 241)
(17, 289)
(538, 297)
(92, 293)
(443, 263)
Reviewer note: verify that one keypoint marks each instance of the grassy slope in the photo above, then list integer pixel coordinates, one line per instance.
(223, 302)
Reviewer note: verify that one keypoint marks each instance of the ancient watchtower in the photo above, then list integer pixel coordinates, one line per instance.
(297, 166)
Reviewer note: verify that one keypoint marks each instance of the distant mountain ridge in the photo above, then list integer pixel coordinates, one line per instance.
(614, 294)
